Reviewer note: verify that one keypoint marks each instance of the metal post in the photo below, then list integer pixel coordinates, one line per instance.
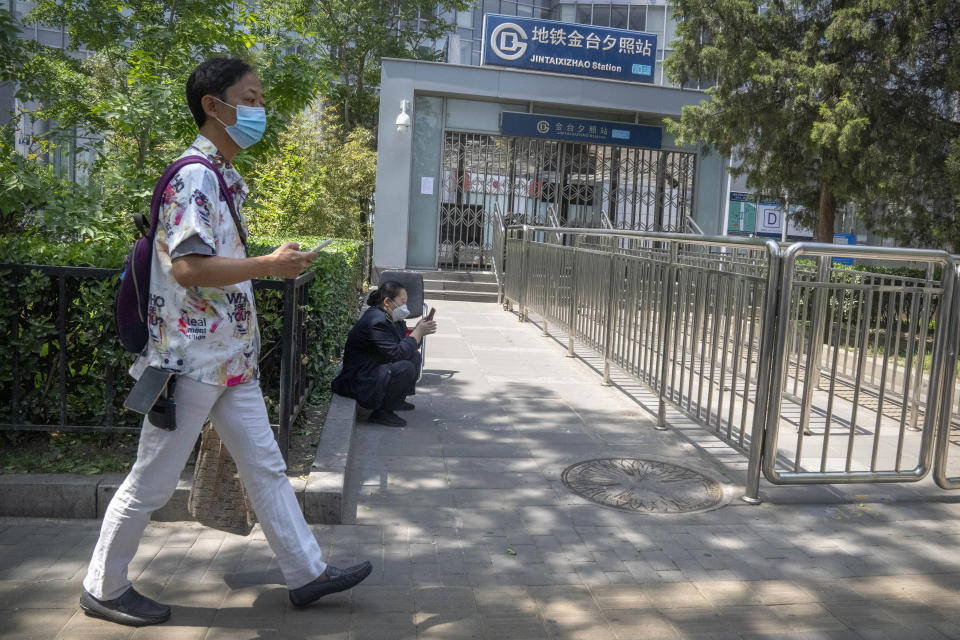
(62, 331)
(769, 369)
(15, 333)
(666, 313)
(286, 365)
(524, 276)
(817, 320)
(572, 320)
(612, 287)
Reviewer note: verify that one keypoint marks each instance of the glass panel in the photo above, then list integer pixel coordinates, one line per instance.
(583, 13)
(465, 19)
(427, 145)
(509, 7)
(466, 47)
(638, 18)
(525, 10)
(476, 58)
(671, 31)
(601, 15)
(568, 12)
(655, 20)
(491, 6)
(618, 17)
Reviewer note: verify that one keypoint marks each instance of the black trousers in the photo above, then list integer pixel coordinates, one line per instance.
(402, 383)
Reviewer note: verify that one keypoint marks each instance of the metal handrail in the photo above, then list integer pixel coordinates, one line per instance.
(692, 226)
(499, 249)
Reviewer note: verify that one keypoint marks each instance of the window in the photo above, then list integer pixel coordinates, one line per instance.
(671, 31)
(466, 47)
(524, 10)
(568, 13)
(618, 16)
(583, 13)
(655, 18)
(638, 18)
(465, 19)
(491, 6)
(601, 15)
(509, 7)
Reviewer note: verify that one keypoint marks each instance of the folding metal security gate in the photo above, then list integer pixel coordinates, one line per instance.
(556, 183)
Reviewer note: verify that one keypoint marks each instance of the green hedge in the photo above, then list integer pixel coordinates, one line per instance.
(93, 353)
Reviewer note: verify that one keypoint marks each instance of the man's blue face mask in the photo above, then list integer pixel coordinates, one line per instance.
(251, 123)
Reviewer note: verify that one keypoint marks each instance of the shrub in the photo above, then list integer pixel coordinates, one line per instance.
(92, 352)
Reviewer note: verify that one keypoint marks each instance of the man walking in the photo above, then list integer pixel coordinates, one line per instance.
(203, 326)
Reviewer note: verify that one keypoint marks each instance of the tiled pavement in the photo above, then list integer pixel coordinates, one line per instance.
(474, 536)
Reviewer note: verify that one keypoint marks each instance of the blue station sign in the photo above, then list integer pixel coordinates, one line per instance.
(562, 47)
(535, 125)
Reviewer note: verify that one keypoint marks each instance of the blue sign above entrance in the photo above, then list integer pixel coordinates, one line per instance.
(562, 47)
(534, 125)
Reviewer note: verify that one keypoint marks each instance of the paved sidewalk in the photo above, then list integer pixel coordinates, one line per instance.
(473, 534)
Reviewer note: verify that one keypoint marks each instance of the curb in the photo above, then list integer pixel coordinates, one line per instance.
(323, 495)
(78, 496)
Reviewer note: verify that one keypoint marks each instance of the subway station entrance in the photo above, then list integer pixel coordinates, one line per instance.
(490, 179)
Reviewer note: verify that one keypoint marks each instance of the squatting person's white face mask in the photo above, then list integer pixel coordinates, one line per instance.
(400, 313)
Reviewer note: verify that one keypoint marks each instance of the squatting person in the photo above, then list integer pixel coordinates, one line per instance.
(204, 326)
(381, 362)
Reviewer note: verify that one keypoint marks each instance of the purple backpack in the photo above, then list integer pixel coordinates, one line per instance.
(133, 294)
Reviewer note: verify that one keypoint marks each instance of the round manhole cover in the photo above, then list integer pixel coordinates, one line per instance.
(648, 486)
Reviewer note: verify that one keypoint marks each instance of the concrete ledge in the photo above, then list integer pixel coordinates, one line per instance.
(323, 499)
(49, 495)
(77, 496)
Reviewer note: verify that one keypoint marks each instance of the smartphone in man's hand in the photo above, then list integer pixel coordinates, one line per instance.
(432, 311)
(320, 246)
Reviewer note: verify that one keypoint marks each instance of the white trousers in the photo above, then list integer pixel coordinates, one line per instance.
(240, 418)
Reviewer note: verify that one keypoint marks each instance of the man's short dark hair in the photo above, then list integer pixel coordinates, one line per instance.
(213, 77)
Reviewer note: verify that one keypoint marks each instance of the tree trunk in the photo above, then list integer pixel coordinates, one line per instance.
(828, 213)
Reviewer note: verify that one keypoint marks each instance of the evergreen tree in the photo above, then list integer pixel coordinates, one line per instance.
(833, 102)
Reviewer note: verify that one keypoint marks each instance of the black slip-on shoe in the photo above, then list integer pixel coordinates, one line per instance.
(386, 418)
(337, 580)
(407, 406)
(132, 609)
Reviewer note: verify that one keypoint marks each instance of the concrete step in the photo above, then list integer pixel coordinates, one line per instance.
(460, 276)
(431, 295)
(456, 285)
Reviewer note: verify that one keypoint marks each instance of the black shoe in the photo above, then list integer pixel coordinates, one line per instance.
(131, 608)
(336, 580)
(406, 406)
(386, 418)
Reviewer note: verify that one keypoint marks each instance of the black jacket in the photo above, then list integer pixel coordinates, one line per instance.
(374, 341)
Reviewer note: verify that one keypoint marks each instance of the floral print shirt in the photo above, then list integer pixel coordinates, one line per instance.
(208, 334)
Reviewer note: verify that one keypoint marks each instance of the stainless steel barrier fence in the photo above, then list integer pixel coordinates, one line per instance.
(948, 434)
(819, 373)
(851, 351)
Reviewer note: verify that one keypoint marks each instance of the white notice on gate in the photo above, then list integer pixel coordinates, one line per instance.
(426, 186)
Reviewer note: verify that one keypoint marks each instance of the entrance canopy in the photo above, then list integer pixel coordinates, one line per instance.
(610, 165)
